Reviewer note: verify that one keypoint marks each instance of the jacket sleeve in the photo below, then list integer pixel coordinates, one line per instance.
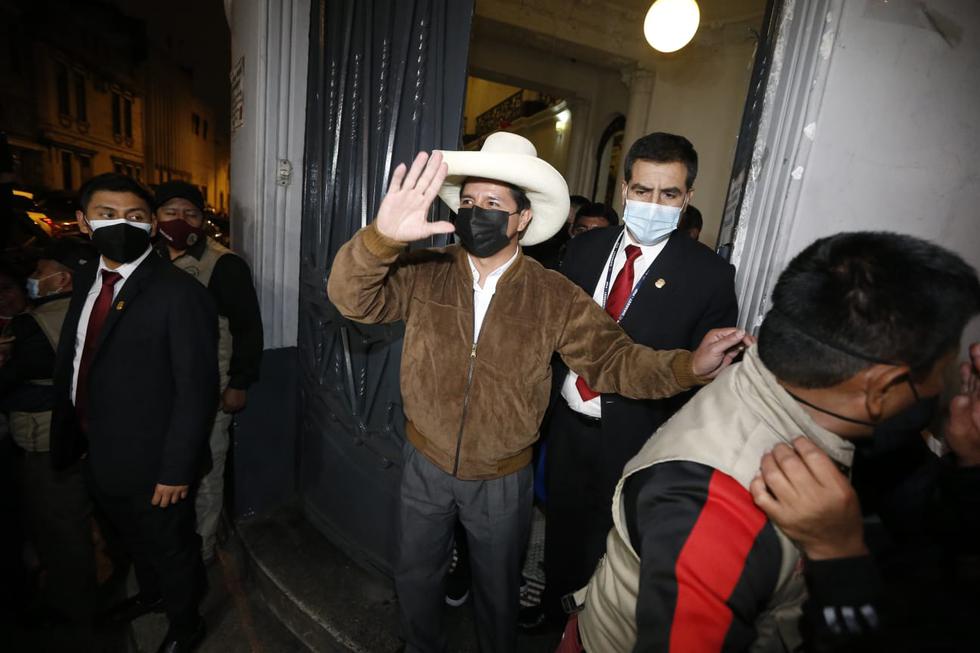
(192, 328)
(596, 348)
(31, 356)
(843, 610)
(709, 559)
(722, 309)
(368, 282)
(234, 293)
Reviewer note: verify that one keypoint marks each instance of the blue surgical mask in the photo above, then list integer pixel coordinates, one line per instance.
(34, 286)
(650, 223)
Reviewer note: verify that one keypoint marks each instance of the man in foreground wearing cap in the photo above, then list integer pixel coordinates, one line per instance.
(180, 221)
(57, 506)
(481, 324)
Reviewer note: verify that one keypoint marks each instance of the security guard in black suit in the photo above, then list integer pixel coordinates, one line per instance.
(136, 384)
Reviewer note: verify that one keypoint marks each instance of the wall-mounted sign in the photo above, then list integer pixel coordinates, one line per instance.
(238, 94)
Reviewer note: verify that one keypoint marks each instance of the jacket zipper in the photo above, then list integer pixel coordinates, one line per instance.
(466, 402)
(466, 392)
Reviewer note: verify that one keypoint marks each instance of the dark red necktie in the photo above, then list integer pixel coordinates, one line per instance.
(615, 304)
(100, 310)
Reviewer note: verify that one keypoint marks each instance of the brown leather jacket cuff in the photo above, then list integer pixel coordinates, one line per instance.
(682, 367)
(380, 245)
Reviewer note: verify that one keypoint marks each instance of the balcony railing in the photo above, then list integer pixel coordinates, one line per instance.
(522, 104)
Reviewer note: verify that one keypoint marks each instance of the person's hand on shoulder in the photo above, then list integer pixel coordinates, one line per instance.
(804, 494)
(718, 349)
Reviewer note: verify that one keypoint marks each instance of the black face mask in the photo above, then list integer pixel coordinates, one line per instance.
(122, 243)
(916, 418)
(483, 232)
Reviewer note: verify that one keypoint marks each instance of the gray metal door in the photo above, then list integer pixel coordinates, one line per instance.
(387, 78)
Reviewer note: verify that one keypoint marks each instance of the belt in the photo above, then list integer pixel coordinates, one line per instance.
(588, 420)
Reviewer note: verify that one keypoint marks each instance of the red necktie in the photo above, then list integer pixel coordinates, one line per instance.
(615, 304)
(100, 310)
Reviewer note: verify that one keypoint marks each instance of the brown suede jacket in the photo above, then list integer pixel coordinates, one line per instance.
(474, 410)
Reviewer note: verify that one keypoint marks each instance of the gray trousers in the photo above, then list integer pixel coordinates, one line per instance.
(211, 490)
(496, 515)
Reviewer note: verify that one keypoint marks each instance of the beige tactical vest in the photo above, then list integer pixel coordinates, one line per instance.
(729, 425)
(32, 431)
(202, 270)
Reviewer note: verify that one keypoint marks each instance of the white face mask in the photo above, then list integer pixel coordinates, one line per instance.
(651, 223)
(98, 224)
(34, 286)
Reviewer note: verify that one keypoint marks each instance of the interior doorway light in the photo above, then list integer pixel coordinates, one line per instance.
(671, 24)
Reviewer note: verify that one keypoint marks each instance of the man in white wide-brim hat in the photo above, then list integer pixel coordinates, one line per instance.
(481, 324)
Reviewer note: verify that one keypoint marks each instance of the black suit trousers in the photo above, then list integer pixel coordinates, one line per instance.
(165, 549)
(580, 482)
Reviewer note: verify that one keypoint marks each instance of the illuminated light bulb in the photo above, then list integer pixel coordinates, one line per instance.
(561, 120)
(671, 24)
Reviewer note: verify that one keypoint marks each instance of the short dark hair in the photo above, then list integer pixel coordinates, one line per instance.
(691, 219)
(661, 147)
(520, 197)
(115, 182)
(598, 210)
(578, 201)
(854, 299)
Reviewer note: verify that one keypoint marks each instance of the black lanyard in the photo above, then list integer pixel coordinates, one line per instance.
(609, 269)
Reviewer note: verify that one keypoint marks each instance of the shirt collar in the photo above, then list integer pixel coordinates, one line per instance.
(125, 269)
(492, 278)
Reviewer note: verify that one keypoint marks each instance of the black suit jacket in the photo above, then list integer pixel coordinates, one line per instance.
(698, 294)
(153, 384)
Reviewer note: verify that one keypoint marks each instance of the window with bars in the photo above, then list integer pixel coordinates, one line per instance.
(81, 100)
(61, 83)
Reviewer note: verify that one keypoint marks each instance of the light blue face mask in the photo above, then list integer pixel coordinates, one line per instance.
(34, 286)
(650, 223)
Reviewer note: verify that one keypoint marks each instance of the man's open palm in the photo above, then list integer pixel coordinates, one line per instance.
(403, 215)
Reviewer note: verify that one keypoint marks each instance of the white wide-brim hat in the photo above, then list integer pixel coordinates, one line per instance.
(513, 159)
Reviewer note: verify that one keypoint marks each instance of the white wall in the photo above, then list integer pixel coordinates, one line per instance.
(897, 144)
(272, 35)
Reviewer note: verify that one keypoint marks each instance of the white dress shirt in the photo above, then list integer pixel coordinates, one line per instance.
(649, 253)
(124, 271)
(482, 296)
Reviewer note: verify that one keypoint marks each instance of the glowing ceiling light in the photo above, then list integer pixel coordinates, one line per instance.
(561, 120)
(671, 24)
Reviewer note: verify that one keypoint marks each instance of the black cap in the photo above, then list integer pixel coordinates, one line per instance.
(171, 189)
(71, 253)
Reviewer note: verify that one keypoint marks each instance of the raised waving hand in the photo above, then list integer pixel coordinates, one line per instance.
(403, 215)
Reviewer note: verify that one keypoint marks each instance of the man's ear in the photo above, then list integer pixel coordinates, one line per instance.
(82, 223)
(526, 216)
(880, 382)
(153, 225)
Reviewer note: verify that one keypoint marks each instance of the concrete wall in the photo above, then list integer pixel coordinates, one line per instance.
(596, 95)
(701, 97)
(897, 143)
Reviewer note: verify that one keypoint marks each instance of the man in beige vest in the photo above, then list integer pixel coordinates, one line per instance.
(56, 504)
(180, 218)
(861, 329)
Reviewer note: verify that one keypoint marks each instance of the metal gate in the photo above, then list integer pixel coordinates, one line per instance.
(387, 78)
